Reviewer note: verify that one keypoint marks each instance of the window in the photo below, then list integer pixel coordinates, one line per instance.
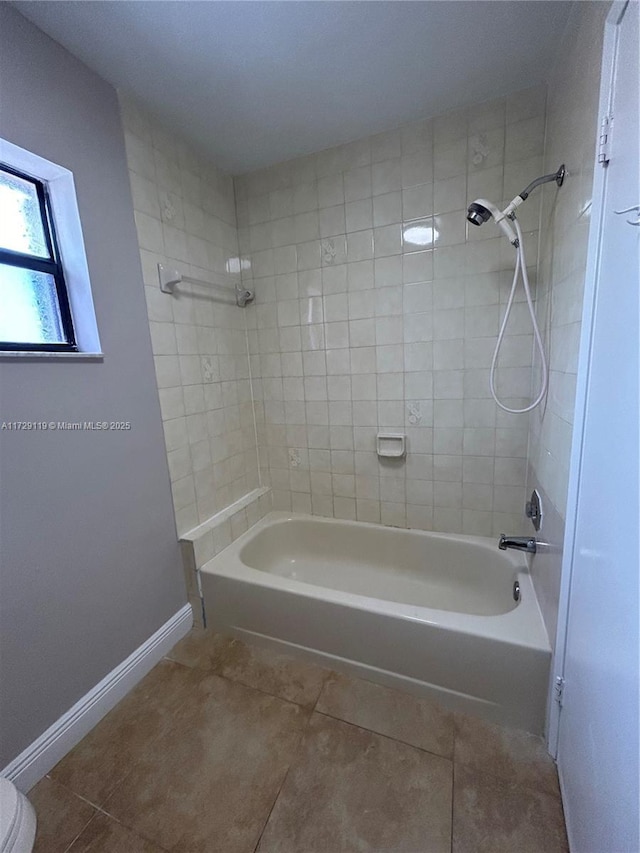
(34, 305)
(46, 304)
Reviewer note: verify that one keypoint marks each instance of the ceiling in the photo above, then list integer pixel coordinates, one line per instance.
(254, 83)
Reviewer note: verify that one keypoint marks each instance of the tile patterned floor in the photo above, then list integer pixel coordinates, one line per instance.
(228, 748)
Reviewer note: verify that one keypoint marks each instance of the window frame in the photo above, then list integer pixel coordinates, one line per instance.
(51, 266)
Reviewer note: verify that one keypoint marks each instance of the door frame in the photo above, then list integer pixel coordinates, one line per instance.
(591, 283)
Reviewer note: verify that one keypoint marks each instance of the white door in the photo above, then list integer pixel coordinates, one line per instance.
(598, 725)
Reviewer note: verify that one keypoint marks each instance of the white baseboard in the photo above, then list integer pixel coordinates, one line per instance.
(44, 753)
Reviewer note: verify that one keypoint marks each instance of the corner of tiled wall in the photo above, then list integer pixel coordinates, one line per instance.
(377, 308)
(572, 123)
(571, 134)
(185, 217)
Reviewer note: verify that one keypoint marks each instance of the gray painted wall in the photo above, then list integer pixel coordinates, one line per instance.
(90, 565)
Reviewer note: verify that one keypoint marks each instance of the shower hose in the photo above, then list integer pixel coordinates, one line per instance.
(521, 267)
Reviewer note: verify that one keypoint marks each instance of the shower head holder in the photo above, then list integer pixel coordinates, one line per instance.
(557, 176)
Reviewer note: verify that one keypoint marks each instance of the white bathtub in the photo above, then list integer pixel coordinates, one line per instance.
(432, 613)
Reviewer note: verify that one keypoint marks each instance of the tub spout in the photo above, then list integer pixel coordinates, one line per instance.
(518, 543)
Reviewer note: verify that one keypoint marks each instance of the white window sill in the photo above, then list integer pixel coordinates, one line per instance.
(91, 356)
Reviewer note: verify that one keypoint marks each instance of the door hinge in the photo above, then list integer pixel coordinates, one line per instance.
(604, 141)
(559, 689)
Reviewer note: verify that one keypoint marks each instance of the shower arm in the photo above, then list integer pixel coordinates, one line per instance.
(558, 177)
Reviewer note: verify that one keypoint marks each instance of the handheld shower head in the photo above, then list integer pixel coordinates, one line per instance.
(481, 210)
(477, 213)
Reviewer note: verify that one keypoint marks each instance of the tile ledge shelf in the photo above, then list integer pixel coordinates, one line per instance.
(224, 514)
(203, 542)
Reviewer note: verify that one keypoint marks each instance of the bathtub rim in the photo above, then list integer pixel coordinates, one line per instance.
(522, 626)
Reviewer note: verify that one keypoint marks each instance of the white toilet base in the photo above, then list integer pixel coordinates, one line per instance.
(17, 820)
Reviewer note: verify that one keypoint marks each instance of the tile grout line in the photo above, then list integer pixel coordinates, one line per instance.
(66, 849)
(453, 786)
(84, 799)
(488, 777)
(103, 808)
(250, 686)
(314, 709)
(112, 819)
(130, 829)
(97, 809)
(382, 734)
(321, 691)
(284, 778)
(453, 778)
(456, 745)
(484, 775)
(386, 737)
(390, 737)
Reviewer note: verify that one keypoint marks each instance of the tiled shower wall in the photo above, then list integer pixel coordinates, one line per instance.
(377, 309)
(185, 217)
(572, 127)
(572, 123)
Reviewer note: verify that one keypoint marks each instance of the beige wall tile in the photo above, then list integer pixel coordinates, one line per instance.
(185, 216)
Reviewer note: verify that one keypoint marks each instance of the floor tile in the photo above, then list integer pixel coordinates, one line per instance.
(60, 814)
(210, 782)
(96, 765)
(507, 754)
(255, 666)
(353, 790)
(389, 712)
(105, 835)
(495, 816)
(191, 762)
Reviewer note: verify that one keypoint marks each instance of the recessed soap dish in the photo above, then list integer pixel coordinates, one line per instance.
(391, 445)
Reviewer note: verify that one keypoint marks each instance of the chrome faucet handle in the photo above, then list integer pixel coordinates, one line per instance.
(533, 509)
